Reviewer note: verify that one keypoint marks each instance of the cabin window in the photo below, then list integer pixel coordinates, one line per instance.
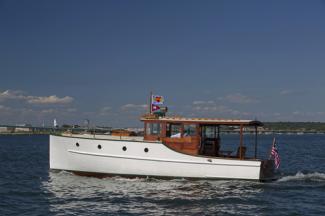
(209, 132)
(174, 130)
(190, 130)
(153, 128)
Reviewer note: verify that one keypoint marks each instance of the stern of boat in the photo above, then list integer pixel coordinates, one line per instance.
(267, 172)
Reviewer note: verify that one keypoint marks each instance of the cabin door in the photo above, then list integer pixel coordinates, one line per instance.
(210, 140)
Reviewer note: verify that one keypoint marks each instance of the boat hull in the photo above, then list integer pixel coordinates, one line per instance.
(98, 157)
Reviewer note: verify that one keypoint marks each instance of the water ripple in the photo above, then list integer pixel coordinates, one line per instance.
(315, 176)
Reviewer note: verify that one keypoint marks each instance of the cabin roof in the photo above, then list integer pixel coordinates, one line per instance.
(215, 121)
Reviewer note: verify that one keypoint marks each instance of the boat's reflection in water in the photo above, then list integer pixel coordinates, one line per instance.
(71, 194)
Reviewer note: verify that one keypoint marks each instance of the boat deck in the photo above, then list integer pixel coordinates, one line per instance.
(106, 137)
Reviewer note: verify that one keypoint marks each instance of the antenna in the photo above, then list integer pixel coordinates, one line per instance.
(150, 103)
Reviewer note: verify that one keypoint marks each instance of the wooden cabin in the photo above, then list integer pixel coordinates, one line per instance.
(195, 136)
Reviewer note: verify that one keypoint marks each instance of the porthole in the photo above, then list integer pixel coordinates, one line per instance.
(124, 148)
(77, 144)
(146, 150)
(99, 146)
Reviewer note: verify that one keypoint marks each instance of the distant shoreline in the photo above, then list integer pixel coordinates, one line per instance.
(225, 132)
(268, 128)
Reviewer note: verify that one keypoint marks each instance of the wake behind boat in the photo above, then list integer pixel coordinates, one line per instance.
(172, 147)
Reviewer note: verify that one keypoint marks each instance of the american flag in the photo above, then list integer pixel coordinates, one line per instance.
(275, 154)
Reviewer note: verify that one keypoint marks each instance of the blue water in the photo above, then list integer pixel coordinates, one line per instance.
(27, 187)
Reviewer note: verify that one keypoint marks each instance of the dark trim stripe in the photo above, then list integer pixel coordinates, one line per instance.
(160, 160)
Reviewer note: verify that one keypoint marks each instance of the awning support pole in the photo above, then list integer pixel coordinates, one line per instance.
(255, 142)
(241, 141)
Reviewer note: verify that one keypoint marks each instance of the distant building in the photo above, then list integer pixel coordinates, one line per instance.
(55, 124)
(6, 129)
(22, 129)
(135, 129)
(23, 125)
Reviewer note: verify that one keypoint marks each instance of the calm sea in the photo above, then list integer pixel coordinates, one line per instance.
(27, 187)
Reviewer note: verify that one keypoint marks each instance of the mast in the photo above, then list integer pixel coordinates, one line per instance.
(150, 103)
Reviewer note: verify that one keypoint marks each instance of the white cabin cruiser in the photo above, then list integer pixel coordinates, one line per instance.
(172, 147)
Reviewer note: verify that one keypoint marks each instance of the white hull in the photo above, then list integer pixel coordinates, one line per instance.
(159, 161)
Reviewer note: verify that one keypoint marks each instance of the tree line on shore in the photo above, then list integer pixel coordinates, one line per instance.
(295, 126)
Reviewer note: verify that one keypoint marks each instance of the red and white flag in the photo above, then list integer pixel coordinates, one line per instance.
(155, 108)
(275, 154)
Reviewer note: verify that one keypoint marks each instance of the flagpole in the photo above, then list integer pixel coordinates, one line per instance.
(273, 142)
(150, 103)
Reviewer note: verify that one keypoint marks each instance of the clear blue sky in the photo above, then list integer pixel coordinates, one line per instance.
(73, 60)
